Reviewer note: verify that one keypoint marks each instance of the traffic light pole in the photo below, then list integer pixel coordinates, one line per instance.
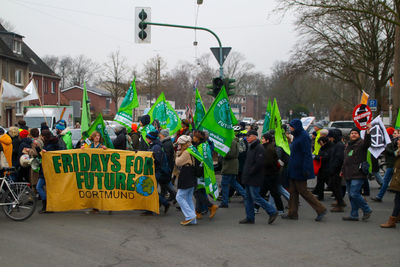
(221, 61)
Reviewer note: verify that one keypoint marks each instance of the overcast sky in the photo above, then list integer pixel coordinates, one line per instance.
(96, 28)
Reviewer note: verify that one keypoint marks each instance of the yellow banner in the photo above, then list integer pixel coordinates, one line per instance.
(103, 179)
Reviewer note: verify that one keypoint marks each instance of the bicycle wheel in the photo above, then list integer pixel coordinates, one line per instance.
(25, 205)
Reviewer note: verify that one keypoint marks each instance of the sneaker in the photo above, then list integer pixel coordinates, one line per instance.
(256, 211)
(246, 221)
(281, 212)
(376, 199)
(320, 216)
(186, 222)
(222, 206)
(287, 217)
(349, 218)
(366, 216)
(272, 218)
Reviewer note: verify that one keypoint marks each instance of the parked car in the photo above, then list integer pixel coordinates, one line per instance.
(260, 122)
(76, 135)
(248, 120)
(344, 126)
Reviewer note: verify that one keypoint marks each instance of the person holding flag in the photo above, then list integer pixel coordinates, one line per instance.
(145, 128)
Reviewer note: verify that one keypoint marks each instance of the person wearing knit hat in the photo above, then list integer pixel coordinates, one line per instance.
(317, 128)
(355, 172)
(23, 134)
(64, 135)
(390, 131)
(159, 157)
(168, 147)
(144, 120)
(135, 137)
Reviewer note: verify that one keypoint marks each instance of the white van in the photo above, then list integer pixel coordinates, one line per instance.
(35, 115)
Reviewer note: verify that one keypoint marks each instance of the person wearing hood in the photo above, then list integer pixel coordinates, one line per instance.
(6, 143)
(64, 135)
(335, 165)
(253, 179)
(145, 128)
(120, 141)
(355, 171)
(301, 169)
(156, 147)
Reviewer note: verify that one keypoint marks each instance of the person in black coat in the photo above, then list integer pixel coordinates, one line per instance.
(301, 169)
(335, 165)
(120, 141)
(50, 144)
(323, 174)
(253, 178)
(168, 148)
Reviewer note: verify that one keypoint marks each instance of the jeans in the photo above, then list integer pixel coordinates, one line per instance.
(386, 181)
(39, 187)
(230, 180)
(202, 201)
(356, 200)
(185, 199)
(378, 177)
(283, 192)
(253, 196)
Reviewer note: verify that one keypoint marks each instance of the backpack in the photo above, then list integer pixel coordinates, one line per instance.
(242, 145)
(165, 172)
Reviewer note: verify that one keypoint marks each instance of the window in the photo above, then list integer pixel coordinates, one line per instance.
(45, 87)
(108, 101)
(18, 109)
(53, 87)
(18, 77)
(243, 109)
(37, 83)
(17, 47)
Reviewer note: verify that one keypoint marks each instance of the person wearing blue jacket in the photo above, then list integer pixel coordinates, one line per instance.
(301, 169)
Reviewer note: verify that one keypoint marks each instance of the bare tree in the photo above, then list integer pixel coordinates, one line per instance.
(115, 76)
(7, 25)
(153, 75)
(353, 47)
(83, 70)
(237, 68)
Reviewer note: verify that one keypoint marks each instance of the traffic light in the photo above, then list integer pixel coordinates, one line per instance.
(142, 30)
(215, 87)
(229, 86)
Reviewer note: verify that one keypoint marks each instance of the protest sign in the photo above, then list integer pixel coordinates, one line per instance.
(103, 179)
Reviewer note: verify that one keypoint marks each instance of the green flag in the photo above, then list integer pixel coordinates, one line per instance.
(276, 124)
(99, 126)
(200, 110)
(85, 116)
(124, 114)
(219, 121)
(165, 114)
(397, 125)
(267, 117)
(203, 154)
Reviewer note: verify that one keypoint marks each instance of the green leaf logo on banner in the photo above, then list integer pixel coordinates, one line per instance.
(165, 114)
(219, 122)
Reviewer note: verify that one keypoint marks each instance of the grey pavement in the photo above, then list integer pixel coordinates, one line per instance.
(128, 239)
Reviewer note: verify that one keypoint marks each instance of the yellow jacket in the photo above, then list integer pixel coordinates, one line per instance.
(6, 142)
(317, 146)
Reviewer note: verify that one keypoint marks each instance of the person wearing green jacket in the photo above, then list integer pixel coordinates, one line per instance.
(230, 170)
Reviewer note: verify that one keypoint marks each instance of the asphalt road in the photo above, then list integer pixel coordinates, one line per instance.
(128, 239)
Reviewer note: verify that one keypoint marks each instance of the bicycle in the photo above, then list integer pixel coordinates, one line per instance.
(18, 199)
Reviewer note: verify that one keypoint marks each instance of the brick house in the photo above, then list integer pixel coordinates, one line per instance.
(246, 106)
(18, 65)
(100, 100)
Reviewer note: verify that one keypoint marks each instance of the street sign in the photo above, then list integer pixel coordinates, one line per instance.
(225, 53)
(362, 116)
(373, 103)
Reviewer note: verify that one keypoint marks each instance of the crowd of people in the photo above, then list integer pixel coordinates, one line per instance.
(254, 168)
